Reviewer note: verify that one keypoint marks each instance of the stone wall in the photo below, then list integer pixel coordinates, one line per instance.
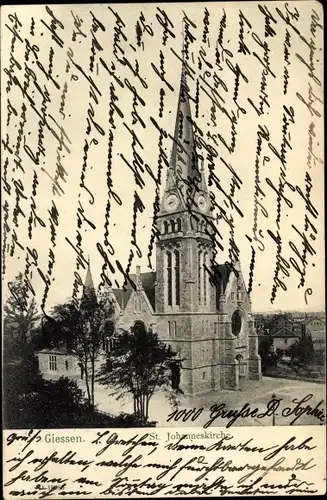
(136, 309)
(71, 369)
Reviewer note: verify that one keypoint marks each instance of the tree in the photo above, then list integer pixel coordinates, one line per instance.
(20, 316)
(139, 365)
(302, 350)
(81, 330)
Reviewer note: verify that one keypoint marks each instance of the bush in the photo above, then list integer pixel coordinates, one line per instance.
(43, 404)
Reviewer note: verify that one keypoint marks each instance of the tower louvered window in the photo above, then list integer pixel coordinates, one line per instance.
(169, 279)
(177, 278)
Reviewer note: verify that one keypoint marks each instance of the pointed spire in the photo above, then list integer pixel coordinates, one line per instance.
(89, 297)
(184, 161)
(183, 157)
(170, 179)
(203, 185)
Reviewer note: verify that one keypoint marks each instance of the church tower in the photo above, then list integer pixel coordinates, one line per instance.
(185, 300)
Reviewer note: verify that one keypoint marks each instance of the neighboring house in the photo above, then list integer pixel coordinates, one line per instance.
(279, 322)
(202, 311)
(283, 339)
(316, 327)
(55, 363)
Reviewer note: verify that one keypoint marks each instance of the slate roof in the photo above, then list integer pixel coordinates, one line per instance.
(122, 296)
(222, 274)
(148, 283)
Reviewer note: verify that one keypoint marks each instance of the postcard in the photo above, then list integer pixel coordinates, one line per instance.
(163, 259)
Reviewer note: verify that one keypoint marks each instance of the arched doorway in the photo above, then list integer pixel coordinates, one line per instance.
(175, 366)
(175, 375)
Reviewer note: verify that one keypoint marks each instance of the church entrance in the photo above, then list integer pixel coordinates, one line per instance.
(175, 375)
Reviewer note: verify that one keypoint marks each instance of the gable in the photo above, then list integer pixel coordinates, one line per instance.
(148, 283)
(122, 296)
(313, 321)
(285, 332)
(138, 304)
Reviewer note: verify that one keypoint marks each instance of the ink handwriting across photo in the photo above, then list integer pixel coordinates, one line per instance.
(162, 247)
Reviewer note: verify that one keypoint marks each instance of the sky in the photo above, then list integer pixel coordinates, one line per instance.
(66, 134)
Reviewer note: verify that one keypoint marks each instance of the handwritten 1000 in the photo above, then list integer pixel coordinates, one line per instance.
(221, 411)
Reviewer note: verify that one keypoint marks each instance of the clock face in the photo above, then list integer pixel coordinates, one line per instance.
(202, 202)
(171, 202)
(236, 322)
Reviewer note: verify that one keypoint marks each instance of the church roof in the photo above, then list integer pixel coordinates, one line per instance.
(222, 274)
(122, 296)
(148, 284)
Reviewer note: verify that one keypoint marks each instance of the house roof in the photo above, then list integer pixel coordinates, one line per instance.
(285, 332)
(309, 320)
(55, 350)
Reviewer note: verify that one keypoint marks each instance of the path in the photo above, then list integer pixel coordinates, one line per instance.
(257, 394)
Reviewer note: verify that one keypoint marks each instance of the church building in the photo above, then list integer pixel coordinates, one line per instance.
(202, 309)
(198, 306)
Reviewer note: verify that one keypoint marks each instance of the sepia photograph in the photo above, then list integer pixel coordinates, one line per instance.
(163, 255)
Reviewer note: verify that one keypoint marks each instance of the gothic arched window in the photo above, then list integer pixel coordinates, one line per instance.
(166, 227)
(173, 329)
(169, 279)
(172, 225)
(179, 224)
(177, 278)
